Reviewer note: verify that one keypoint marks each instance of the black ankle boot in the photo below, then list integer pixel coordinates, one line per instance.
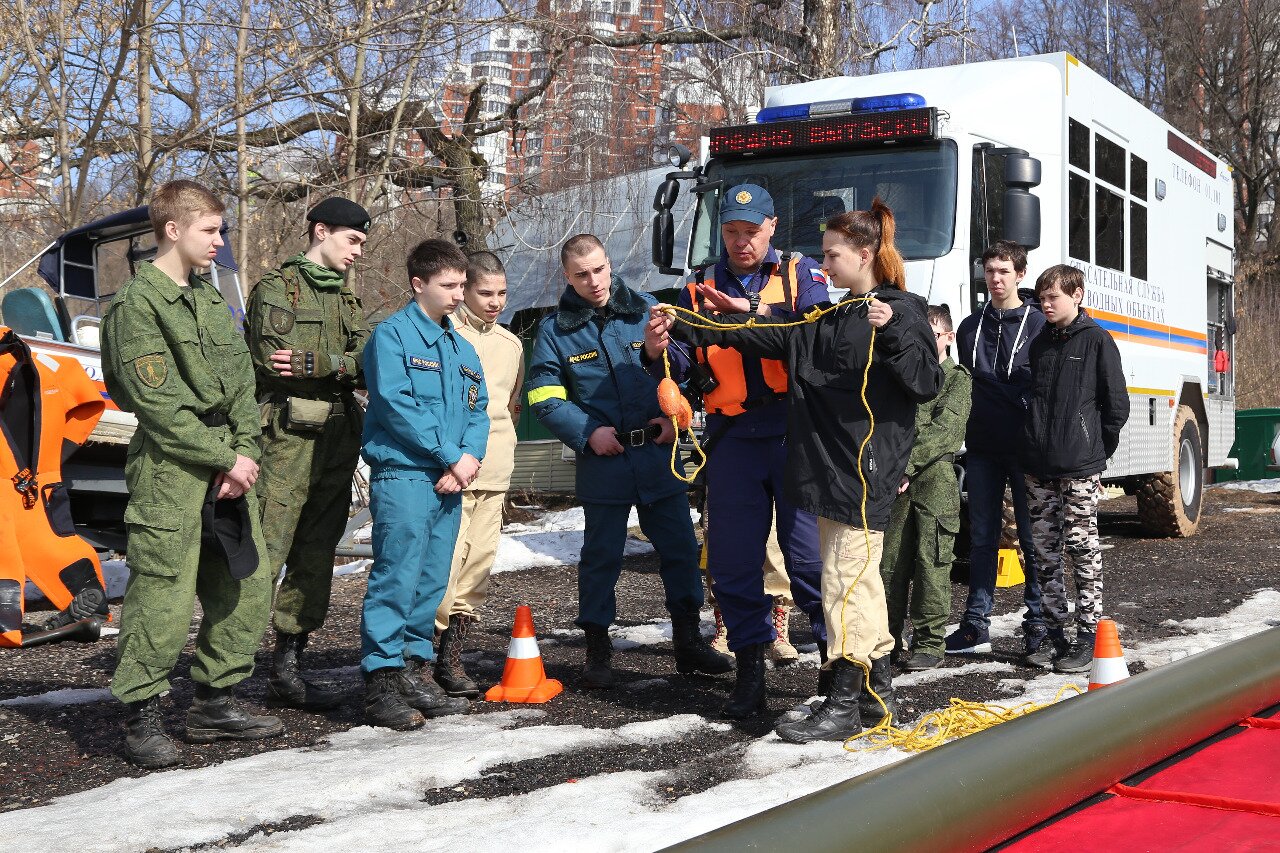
(288, 687)
(383, 704)
(824, 673)
(450, 674)
(597, 674)
(837, 718)
(694, 654)
(420, 692)
(748, 696)
(215, 714)
(882, 684)
(146, 744)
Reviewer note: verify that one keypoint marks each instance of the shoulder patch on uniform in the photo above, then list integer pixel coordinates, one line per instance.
(152, 370)
(280, 320)
(584, 356)
(470, 374)
(417, 361)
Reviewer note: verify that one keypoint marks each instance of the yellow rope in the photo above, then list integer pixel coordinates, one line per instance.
(962, 717)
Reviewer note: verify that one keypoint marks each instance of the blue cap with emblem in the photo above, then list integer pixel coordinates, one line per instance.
(746, 203)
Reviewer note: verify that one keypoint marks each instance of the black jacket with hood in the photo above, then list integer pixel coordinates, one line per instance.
(1001, 373)
(1079, 401)
(826, 419)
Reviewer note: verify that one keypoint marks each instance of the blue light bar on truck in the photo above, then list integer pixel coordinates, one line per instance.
(877, 104)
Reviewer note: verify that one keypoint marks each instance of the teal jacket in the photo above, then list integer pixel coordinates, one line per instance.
(427, 399)
(586, 373)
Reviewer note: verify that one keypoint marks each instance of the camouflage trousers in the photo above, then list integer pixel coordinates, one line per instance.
(1064, 516)
(305, 491)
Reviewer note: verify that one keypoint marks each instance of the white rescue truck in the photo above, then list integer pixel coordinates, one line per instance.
(1043, 151)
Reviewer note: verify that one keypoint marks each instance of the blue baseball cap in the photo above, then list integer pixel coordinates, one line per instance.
(746, 203)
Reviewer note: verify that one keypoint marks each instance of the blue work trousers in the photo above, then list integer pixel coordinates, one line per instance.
(744, 491)
(414, 532)
(667, 525)
(985, 477)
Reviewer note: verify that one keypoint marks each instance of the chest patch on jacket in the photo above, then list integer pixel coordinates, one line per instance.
(473, 397)
(584, 356)
(420, 363)
(637, 344)
(473, 375)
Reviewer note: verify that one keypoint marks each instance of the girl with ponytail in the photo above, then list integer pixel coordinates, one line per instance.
(877, 335)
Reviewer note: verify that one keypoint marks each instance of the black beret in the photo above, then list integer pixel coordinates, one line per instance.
(340, 213)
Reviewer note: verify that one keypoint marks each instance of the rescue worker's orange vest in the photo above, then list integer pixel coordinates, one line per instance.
(47, 403)
(730, 397)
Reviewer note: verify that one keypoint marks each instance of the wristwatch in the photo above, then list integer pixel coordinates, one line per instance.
(753, 301)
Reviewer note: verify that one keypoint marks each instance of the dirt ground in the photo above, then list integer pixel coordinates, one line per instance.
(47, 750)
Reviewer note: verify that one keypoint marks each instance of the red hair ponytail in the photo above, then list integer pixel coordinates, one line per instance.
(874, 229)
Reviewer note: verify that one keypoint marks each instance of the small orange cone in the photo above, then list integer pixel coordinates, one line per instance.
(524, 680)
(1108, 658)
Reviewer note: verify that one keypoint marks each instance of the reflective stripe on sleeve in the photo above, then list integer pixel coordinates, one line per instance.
(547, 392)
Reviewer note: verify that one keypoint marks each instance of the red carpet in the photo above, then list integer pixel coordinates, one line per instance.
(1223, 797)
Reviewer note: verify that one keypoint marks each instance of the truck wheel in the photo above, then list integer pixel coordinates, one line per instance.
(1169, 503)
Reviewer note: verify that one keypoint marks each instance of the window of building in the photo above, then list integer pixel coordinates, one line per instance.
(502, 44)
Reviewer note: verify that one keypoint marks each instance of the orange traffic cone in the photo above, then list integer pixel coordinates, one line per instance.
(524, 680)
(1108, 658)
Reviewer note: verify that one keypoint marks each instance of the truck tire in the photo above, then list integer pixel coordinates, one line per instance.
(1169, 503)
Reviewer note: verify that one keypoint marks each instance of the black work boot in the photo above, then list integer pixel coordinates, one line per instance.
(145, 743)
(748, 694)
(287, 687)
(215, 714)
(1078, 656)
(597, 674)
(450, 674)
(383, 704)
(420, 692)
(694, 654)
(837, 718)
(824, 672)
(882, 684)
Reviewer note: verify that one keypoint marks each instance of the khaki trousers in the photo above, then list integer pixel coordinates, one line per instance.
(853, 593)
(473, 556)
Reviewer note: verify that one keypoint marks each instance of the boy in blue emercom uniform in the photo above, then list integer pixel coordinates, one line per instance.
(424, 435)
(588, 386)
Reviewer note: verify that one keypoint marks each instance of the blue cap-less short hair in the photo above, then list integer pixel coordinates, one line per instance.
(746, 203)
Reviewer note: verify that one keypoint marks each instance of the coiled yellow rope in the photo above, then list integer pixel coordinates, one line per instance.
(962, 717)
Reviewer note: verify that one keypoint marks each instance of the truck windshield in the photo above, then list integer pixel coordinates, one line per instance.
(918, 184)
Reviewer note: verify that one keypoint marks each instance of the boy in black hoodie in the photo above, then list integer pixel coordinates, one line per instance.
(1079, 404)
(994, 344)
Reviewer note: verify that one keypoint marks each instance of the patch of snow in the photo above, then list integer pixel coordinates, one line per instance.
(68, 696)
(1265, 487)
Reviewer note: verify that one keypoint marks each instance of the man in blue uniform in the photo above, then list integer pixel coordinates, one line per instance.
(588, 386)
(745, 399)
(425, 433)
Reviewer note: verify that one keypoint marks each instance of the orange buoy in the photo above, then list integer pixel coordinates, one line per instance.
(673, 403)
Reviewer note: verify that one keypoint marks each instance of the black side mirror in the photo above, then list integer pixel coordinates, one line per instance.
(1021, 208)
(665, 197)
(664, 241)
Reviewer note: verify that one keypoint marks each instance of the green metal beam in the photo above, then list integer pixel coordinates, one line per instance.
(980, 790)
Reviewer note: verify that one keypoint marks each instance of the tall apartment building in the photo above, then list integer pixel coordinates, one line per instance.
(606, 112)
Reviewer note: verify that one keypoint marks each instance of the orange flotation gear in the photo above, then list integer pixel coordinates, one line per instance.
(673, 403)
(48, 407)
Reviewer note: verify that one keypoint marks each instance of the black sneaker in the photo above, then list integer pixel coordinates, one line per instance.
(1043, 646)
(920, 661)
(1079, 655)
(968, 640)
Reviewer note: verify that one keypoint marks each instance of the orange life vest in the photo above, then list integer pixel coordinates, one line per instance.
(46, 403)
(730, 396)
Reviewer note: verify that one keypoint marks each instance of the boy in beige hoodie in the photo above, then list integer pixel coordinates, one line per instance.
(502, 356)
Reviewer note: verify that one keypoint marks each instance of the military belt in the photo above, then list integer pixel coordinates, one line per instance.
(637, 437)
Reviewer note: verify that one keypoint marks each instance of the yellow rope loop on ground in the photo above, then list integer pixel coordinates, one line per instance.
(960, 719)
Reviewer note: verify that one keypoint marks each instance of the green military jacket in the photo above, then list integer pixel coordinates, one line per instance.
(940, 427)
(171, 355)
(287, 312)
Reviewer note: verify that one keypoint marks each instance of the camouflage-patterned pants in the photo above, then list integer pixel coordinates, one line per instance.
(1064, 515)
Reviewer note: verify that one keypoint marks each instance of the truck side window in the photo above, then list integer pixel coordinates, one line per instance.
(1109, 162)
(1078, 217)
(1137, 240)
(1078, 145)
(1108, 228)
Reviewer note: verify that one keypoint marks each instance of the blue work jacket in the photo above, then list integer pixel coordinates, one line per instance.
(586, 373)
(427, 399)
